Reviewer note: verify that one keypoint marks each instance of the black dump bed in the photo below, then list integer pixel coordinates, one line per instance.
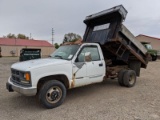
(117, 42)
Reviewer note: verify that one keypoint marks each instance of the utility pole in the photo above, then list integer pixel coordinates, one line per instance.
(30, 36)
(52, 36)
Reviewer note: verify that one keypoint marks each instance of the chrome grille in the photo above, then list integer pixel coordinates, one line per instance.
(17, 77)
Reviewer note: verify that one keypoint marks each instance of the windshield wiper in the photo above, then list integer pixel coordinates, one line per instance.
(58, 56)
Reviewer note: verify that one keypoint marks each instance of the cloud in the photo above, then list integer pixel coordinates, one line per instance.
(39, 17)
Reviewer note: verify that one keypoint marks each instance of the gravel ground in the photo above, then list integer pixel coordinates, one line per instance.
(104, 101)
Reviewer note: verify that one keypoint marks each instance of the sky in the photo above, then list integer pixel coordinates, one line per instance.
(38, 17)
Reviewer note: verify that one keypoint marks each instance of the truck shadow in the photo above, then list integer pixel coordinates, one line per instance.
(31, 103)
(92, 89)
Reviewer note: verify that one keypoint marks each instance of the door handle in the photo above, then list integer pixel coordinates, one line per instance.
(101, 64)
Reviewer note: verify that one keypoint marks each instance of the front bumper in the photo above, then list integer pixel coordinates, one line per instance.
(27, 91)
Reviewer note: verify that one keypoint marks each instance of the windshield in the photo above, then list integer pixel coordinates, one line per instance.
(148, 46)
(65, 52)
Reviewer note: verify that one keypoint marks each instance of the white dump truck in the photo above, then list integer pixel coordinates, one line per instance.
(108, 50)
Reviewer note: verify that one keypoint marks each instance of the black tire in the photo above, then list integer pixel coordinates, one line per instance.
(129, 78)
(120, 77)
(154, 58)
(52, 94)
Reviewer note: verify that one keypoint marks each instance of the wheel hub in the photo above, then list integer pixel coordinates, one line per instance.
(54, 95)
(132, 79)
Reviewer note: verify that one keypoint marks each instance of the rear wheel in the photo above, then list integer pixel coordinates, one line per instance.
(120, 77)
(154, 58)
(52, 94)
(129, 78)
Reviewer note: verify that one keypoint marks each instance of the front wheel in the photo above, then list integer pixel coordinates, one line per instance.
(52, 94)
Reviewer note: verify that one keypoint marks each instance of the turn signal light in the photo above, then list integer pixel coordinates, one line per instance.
(27, 76)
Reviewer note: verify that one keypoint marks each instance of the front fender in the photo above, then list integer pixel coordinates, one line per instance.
(37, 74)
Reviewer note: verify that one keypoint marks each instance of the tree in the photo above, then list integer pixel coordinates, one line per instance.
(71, 37)
(10, 35)
(56, 45)
(19, 36)
(22, 36)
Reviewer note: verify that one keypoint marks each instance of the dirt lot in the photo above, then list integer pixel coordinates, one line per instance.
(106, 101)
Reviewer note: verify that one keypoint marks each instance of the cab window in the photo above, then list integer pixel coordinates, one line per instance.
(94, 53)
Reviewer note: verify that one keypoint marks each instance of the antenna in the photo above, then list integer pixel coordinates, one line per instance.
(52, 35)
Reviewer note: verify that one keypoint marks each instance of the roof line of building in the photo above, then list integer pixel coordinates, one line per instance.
(148, 36)
(25, 45)
(23, 39)
(24, 42)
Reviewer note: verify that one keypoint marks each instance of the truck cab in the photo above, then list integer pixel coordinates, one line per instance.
(68, 67)
(150, 50)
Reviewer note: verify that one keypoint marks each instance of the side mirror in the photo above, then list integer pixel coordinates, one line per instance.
(87, 57)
